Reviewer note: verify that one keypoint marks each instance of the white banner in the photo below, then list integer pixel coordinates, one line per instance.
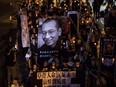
(57, 78)
(25, 31)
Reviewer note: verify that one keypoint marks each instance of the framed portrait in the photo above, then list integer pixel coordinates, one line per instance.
(108, 49)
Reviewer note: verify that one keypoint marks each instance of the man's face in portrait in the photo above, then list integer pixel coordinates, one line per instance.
(108, 48)
(50, 33)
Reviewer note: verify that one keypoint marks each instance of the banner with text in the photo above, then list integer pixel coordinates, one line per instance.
(25, 31)
(57, 78)
(49, 38)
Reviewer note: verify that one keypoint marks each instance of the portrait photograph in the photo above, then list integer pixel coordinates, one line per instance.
(108, 49)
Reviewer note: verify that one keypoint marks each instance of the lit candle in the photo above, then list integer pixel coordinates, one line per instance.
(102, 60)
(113, 60)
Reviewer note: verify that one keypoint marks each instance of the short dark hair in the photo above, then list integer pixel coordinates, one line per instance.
(52, 19)
(16, 78)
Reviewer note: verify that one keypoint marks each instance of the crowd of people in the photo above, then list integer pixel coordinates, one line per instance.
(82, 59)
